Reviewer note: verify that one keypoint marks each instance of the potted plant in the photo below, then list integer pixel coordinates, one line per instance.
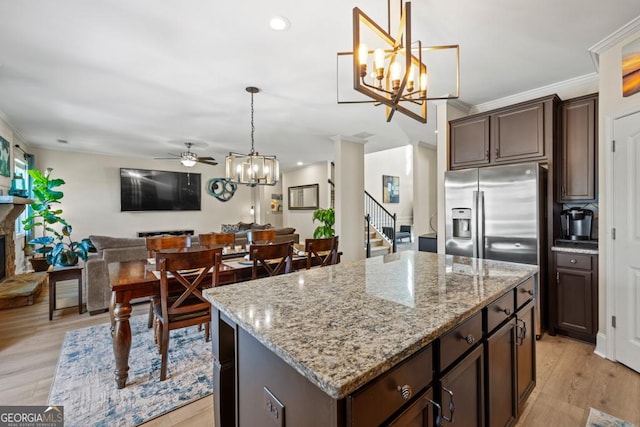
(50, 247)
(328, 218)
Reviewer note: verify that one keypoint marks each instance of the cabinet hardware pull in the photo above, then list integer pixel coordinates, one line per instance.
(405, 391)
(521, 331)
(469, 339)
(451, 406)
(507, 311)
(572, 261)
(497, 152)
(529, 291)
(438, 411)
(486, 154)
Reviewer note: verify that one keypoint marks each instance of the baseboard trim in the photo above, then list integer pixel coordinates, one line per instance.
(601, 345)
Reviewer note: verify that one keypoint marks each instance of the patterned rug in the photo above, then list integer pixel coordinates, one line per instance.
(602, 419)
(84, 381)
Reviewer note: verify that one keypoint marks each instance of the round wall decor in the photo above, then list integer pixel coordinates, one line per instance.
(221, 188)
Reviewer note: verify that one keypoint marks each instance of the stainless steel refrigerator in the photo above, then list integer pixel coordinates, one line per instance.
(499, 213)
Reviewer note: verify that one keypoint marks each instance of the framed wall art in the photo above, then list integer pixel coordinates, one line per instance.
(390, 189)
(5, 158)
(631, 68)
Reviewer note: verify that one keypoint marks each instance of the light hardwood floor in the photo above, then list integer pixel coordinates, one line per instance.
(570, 377)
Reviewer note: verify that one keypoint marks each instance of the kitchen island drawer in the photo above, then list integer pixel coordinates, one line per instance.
(383, 396)
(525, 292)
(460, 339)
(573, 260)
(499, 311)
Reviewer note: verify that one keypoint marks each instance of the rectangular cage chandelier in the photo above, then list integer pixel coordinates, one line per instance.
(394, 71)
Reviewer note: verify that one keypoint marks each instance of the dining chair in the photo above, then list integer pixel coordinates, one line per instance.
(261, 236)
(217, 239)
(194, 271)
(274, 259)
(324, 251)
(158, 243)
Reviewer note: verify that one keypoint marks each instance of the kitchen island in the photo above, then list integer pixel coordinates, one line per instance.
(371, 341)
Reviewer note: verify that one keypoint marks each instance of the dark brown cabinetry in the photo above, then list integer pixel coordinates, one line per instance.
(578, 150)
(501, 360)
(519, 133)
(576, 295)
(464, 386)
(525, 354)
(420, 413)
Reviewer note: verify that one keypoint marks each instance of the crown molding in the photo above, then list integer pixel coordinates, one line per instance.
(612, 39)
(462, 106)
(566, 85)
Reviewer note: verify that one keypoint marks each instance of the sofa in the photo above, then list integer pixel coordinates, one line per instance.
(118, 249)
(283, 234)
(109, 249)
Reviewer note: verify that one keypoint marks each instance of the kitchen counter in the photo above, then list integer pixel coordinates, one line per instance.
(576, 246)
(574, 249)
(342, 326)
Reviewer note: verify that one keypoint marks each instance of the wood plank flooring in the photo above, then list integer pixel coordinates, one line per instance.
(570, 377)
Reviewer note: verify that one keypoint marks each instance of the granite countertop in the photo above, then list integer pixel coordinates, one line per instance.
(574, 250)
(342, 326)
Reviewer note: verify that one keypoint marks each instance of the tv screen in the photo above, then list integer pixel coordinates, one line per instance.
(150, 190)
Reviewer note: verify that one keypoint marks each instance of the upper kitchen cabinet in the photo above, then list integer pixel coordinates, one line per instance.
(470, 142)
(520, 133)
(578, 149)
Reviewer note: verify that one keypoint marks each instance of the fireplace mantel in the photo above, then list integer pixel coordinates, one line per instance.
(10, 209)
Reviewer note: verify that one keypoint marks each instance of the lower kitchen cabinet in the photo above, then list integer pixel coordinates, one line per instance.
(501, 361)
(577, 295)
(418, 414)
(525, 353)
(462, 389)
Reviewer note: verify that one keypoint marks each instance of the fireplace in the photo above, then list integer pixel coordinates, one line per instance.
(10, 208)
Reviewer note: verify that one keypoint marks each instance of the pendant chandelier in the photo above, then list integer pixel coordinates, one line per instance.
(252, 169)
(393, 71)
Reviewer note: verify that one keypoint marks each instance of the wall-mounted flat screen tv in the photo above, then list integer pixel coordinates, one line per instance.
(151, 190)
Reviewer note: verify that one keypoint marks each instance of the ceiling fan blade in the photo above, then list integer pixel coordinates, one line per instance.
(207, 160)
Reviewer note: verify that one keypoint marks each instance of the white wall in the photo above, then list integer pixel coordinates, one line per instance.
(611, 104)
(91, 202)
(302, 221)
(425, 202)
(393, 162)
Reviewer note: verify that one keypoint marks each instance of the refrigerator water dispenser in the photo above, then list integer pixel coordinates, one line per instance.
(461, 223)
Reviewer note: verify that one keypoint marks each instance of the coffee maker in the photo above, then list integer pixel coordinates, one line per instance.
(576, 223)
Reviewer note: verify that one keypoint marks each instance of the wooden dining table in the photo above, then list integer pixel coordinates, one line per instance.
(138, 279)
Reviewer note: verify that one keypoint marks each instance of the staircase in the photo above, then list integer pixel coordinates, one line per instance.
(377, 244)
(380, 227)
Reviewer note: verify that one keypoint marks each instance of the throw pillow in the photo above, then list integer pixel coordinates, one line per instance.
(285, 230)
(229, 228)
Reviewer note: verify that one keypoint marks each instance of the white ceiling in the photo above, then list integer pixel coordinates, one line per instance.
(141, 77)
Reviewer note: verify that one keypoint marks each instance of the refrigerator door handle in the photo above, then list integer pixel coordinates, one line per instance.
(474, 224)
(480, 209)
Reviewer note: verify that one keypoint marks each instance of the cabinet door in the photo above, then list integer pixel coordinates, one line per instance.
(525, 353)
(501, 382)
(519, 134)
(574, 300)
(464, 384)
(469, 142)
(579, 151)
(419, 414)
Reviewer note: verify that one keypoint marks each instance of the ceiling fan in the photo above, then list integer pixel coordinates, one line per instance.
(189, 158)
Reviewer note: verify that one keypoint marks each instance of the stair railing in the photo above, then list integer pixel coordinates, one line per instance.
(368, 242)
(381, 219)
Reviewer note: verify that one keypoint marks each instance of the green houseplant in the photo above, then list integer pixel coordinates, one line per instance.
(50, 247)
(328, 218)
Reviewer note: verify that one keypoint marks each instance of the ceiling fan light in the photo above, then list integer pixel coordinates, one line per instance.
(188, 162)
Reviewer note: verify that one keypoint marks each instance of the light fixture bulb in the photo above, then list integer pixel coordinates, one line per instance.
(396, 70)
(188, 163)
(412, 75)
(423, 82)
(378, 58)
(279, 23)
(363, 53)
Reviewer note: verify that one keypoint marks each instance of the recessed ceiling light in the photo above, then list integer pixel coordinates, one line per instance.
(300, 163)
(279, 23)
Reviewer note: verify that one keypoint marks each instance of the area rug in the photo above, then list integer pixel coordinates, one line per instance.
(602, 419)
(84, 381)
